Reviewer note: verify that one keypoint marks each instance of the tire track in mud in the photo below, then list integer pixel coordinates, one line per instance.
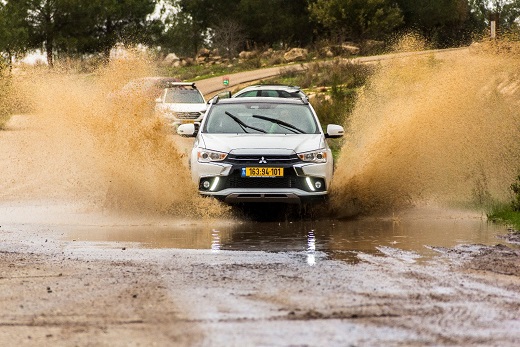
(433, 303)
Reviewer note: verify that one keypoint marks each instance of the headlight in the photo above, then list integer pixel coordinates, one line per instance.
(206, 156)
(315, 157)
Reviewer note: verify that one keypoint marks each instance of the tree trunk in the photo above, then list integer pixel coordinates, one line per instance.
(48, 49)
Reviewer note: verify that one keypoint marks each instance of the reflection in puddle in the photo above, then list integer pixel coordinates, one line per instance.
(337, 239)
(215, 240)
(311, 248)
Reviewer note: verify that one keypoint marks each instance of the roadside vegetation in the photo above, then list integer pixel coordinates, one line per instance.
(509, 213)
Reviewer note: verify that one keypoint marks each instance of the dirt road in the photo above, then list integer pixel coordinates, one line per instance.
(65, 293)
(211, 86)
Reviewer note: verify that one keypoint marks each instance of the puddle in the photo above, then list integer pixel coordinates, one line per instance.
(338, 239)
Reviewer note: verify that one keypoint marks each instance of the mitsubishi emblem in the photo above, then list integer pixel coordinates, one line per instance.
(262, 161)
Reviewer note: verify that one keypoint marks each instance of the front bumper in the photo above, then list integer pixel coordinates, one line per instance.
(288, 196)
(301, 182)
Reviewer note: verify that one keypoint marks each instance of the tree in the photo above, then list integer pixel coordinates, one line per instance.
(276, 22)
(202, 15)
(442, 22)
(45, 19)
(228, 38)
(357, 19)
(182, 34)
(262, 23)
(508, 11)
(75, 27)
(13, 33)
(122, 21)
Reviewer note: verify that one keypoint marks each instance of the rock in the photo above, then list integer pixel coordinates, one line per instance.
(295, 54)
(350, 49)
(204, 52)
(245, 55)
(170, 60)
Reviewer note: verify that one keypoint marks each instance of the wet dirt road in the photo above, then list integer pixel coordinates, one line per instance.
(62, 292)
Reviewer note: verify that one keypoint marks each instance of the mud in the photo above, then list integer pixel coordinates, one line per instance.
(426, 130)
(63, 293)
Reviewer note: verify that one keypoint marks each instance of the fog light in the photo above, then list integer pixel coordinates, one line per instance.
(317, 184)
(206, 184)
(309, 183)
(215, 183)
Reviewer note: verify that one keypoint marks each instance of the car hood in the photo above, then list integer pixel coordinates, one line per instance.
(181, 107)
(260, 143)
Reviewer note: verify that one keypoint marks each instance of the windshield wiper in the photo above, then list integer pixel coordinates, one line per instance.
(244, 125)
(286, 125)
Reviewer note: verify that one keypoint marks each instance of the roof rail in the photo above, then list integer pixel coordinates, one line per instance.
(185, 84)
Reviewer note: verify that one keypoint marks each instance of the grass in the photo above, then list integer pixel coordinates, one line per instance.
(195, 72)
(509, 213)
(506, 215)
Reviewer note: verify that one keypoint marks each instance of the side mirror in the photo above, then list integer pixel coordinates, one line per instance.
(334, 131)
(187, 130)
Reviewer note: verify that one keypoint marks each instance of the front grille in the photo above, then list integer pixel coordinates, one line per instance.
(187, 115)
(262, 159)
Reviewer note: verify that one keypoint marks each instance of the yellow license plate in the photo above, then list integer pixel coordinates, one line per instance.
(262, 172)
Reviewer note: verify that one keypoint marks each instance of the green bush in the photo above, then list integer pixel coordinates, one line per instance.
(508, 213)
(335, 105)
(503, 213)
(336, 72)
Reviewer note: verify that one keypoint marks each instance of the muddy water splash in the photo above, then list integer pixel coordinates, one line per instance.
(430, 130)
(91, 145)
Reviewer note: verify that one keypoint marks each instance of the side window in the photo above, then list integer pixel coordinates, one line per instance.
(249, 93)
(269, 93)
(284, 94)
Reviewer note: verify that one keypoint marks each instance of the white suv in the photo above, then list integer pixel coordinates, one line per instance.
(261, 150)
(180, 103)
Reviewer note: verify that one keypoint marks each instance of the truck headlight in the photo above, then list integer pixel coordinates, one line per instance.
(314, 157)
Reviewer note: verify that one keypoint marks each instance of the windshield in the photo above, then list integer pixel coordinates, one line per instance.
(183, 96)
(257, 118)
